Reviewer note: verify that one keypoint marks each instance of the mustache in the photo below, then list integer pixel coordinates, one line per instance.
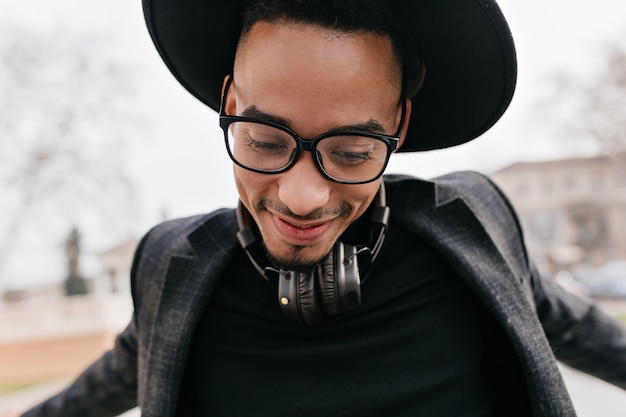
(342, 210)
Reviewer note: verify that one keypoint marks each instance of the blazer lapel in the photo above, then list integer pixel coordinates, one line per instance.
(483, 250)
(190, 280)
(478, 252)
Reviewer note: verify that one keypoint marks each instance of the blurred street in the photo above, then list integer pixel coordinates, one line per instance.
(593, 397)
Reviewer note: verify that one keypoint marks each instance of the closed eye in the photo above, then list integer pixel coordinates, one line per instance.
(266, 146)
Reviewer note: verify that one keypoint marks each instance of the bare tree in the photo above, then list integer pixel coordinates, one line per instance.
(603, 111)
(590, 108)
(63, 119)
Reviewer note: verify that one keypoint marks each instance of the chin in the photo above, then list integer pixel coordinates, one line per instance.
(295, 260)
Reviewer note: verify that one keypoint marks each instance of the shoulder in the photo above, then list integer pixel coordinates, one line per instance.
(465, 204)
(178, 234)
(476, 189)
(183, 237)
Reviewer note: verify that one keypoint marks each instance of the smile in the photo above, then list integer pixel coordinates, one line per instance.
(300, 234)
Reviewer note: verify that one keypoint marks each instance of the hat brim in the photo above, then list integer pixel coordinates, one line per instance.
(466, 46)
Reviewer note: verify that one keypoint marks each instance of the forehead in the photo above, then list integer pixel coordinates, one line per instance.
(316, 78)
(299, 51)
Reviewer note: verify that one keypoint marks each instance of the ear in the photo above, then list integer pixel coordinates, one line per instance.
(407, 118)
(229, 105)
(224, 82)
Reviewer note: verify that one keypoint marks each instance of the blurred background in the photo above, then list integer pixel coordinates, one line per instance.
(98, 142)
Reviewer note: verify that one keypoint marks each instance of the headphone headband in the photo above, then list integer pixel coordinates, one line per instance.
(333, 287)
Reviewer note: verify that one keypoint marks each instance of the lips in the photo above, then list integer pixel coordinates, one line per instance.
(297, 233)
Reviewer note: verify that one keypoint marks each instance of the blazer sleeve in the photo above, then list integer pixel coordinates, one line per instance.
(580, 333)
(108, 387)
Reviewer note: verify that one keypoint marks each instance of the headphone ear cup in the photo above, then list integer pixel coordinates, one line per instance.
(296, 297)
(308, 305)
(339, 280)
(328, 284)
(347, 277)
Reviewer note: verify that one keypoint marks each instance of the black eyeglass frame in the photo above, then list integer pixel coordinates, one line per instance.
(308, 144)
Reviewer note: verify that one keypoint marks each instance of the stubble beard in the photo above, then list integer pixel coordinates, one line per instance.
(295, 261)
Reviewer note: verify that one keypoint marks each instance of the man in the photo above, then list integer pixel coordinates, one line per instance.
(330, 291)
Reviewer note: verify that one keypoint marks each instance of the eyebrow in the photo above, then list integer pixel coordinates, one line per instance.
(371, 126)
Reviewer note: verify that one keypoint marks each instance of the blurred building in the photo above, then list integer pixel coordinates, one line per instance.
(46, 334)
(573, 211)
(115, 264)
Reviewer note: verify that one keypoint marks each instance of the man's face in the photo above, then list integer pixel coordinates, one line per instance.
(315, 80)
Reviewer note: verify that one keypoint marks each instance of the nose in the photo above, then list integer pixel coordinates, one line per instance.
(303, 188)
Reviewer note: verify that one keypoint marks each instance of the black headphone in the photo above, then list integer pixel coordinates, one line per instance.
(334, 287)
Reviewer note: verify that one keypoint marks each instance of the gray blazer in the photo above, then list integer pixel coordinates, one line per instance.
(463, 215)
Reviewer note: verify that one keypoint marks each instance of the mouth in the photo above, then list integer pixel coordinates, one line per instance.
(300, 233)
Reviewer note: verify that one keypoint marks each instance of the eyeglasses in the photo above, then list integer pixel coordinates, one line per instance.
(346, 157)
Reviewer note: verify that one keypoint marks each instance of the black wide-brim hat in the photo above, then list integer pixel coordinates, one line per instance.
(466, 47)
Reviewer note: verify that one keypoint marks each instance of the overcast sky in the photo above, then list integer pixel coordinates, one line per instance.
(181, 168)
